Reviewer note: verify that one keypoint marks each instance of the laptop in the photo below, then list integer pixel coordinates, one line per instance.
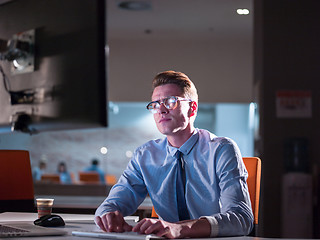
(8, 230)
(114, 235)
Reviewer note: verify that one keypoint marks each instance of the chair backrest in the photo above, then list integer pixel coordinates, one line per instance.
(16, 183)
(89, 177)
(110, 179)
(54, 178)
(73, 178)
(253, 165)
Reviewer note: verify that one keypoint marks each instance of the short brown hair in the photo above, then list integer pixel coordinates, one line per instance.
(180, 79)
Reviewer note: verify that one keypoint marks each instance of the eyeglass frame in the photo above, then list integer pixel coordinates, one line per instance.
(161, 101)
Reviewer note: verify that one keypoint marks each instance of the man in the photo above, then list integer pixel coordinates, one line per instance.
(39, 171)
(216, 194)
(95, 168)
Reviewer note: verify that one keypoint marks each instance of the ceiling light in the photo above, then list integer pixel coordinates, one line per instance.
(243, 11)
(135, 5)
(129, 154)
(103, 150)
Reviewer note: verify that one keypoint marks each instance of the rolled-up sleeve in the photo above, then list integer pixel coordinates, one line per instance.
(127, 194)
(235, 217)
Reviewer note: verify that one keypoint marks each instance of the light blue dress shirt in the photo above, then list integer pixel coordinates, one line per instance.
(65, 177)
(215, 183)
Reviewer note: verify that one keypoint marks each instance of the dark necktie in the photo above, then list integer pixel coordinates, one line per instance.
(181, 182)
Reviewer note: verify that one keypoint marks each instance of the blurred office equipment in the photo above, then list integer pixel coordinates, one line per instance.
(297, 206)
(16, 184)
(296, 155)
(53, 65)
(297, 190)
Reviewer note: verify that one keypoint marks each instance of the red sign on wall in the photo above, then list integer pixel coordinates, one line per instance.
(294, 104)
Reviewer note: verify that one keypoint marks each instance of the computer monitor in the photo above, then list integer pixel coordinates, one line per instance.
(61, 84)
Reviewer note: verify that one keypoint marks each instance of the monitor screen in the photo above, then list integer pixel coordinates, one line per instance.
(53, 65)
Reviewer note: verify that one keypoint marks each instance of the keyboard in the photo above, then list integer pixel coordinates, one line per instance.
(114, 235)
(7, 229)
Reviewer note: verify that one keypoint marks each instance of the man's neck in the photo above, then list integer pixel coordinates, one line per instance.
(179, 138)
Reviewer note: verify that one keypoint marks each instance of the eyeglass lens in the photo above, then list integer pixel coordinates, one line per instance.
(169, 103)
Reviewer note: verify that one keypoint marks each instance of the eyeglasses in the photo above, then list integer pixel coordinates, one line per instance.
(169, 102)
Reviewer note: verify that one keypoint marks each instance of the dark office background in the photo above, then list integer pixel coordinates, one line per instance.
(286, 58)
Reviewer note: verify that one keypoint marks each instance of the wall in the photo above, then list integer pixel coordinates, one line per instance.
(221, 69)
(287, 57)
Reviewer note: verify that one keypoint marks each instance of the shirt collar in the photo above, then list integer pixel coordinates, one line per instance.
(186, 147)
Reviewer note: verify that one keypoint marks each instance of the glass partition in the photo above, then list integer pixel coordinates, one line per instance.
(130, 125)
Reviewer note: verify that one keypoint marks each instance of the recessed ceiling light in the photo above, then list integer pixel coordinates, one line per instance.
(104, 150)
(243, 11)
(135, 5)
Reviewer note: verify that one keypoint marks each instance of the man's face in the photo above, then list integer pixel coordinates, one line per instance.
(170, 122)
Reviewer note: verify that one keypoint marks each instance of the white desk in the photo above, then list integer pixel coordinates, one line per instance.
(73, 222)
(85, 222)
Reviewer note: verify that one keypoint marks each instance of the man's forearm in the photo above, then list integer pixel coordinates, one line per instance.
(196, 228)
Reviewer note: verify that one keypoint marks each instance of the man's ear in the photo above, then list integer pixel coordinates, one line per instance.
(194, 109)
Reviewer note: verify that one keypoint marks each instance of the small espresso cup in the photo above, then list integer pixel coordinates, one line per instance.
(44, 206)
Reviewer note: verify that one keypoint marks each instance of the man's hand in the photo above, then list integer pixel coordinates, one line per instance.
(183, 229)
(112, 222)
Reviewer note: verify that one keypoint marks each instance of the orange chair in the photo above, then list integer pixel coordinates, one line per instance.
(89, 177)
(253, 165)
(110, 179)
(52, 178)
(16, 183)
(73, 178)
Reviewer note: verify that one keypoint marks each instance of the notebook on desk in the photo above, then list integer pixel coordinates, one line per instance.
(8, 230)
(114, 235)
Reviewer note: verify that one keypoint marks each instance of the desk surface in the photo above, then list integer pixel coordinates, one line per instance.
(73, 222)
(85, 222)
